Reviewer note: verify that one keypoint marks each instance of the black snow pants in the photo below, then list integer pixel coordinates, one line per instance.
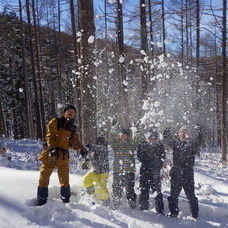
(121, 181)
(150, 179)
(182, 178)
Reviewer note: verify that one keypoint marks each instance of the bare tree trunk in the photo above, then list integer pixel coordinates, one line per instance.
(88, 82)
(59, 68)
(76, 54)
(123, 105)
(144, 48)
(151, 30)
(163, 27)
(3, 131)
(38, 70)
(182, 30)
(37, 106)
(196, 80)
(186, 29)
(29, 124)
(197, 33)
(224, 87)
(107, 88)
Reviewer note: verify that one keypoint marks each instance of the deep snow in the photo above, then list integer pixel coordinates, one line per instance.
(18, 187)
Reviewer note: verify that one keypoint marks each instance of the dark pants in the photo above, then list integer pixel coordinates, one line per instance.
(185, 179)
(121, 181)
(150, 179)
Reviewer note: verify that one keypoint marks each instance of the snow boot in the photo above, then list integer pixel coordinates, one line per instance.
(65, 194)
(173, 207)
(106, 203)
(90, 190)
(132, 203)
(42, 195)
(115, 203)
(159, 204)
(143, 202)
(194, 207)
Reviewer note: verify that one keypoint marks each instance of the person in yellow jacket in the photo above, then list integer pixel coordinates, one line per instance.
(97, 177)
(61, 136)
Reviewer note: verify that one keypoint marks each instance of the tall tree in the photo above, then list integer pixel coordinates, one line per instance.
(76, 56)
(30, 127)
(39, 133)
(144, 47)
(3, 131)
(163, 27)
(123, 105)
(88, 82)
(196, 79)
(197, 33)
(224, 86)
(38, 68)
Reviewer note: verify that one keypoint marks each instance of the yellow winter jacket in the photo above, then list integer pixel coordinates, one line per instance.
(61, 137)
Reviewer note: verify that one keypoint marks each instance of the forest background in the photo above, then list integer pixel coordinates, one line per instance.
(146, 63)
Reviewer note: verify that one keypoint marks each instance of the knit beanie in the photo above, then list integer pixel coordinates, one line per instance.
(69, 106)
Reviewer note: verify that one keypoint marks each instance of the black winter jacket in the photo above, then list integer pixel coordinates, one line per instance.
(184, 152)
(151, 155)
(98, 154)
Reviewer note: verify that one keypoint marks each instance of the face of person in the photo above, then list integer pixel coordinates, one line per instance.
(183, 134)
(150, 139)
(69, 114)
(123, 136)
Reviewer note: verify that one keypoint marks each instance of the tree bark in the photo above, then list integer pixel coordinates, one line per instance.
(30, 127)
(144, 48)
(76, 54)
(38, 70)
(37, 103)
(88, 82)
(224, 87)
(123, 101)
(163, 27)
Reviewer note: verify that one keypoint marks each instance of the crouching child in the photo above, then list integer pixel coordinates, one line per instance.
(96, 179)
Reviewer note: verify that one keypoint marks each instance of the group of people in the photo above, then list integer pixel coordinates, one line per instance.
(61, 136)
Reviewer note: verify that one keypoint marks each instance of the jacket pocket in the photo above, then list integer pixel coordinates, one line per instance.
(44, 156)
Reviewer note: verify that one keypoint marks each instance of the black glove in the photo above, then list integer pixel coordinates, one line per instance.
(83, 152)
(70, 125)
(136, 123)
(166, 131)
(52, 149)
(52, 152)
(114, 122)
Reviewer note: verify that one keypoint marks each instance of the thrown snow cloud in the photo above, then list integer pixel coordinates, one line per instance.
(91, 39)
(121, 59)
(111, 71)
(143, 52)
(59, 105)
(159, 44)
(125, 82)
(79, 34)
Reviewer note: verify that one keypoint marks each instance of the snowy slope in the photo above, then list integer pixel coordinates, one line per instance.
(18, 192)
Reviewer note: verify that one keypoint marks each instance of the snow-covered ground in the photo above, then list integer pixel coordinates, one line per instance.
(18, 185)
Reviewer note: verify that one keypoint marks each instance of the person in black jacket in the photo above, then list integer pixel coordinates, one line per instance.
(182, 174)
(151, 155)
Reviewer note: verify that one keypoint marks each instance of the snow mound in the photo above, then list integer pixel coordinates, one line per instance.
(54, 212)
(4, 162)
(206, 189)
